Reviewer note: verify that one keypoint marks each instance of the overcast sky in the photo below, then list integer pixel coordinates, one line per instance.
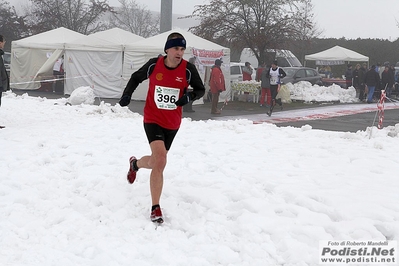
(337, 18)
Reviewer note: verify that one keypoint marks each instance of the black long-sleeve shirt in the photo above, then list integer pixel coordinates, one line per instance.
(145, 71)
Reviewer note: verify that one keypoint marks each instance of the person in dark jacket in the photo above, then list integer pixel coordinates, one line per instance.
(4, 80)
(356, 77)
(372, 80)
(362, 86)
(349, 76)
(387, 80)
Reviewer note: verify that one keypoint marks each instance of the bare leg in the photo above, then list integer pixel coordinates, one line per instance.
(156, 162)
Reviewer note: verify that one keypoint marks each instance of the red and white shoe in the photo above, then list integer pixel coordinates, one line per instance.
(156, 215)
(131, 174)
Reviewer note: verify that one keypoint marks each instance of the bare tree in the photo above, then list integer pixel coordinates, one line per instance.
(256, 24)
(307, 32)
(136, 19)
(12, 26)
(77, 15)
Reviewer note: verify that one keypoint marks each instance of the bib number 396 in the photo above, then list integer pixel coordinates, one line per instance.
(165, 97)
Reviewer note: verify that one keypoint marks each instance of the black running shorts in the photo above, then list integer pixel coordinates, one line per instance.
(156, 132)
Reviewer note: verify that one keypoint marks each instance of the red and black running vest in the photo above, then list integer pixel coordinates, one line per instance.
(166, 86)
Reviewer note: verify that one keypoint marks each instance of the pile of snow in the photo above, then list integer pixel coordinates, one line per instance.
(235, 193)
(83, 95)
(304, 91)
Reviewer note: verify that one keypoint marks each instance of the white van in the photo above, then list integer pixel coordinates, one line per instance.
(285, 58)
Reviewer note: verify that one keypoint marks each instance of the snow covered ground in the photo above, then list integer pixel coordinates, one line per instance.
(235, 192)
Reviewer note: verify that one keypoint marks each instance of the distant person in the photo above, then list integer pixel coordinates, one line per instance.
(356, 78)
(362, 86)
(396, 78)
(372, 80)
(4, 79)
(247, 71)
(348, 76)
(58, 73)
(275, 75)
(328, 72)
(217, 85)
(379, 69)
(387, 80)
(259, 71)
(265, 88)
(169, 76)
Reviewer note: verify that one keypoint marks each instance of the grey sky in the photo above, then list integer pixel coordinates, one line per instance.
(337, 18)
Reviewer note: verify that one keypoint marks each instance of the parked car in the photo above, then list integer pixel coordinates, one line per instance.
(236, 72)
(296, 74)
(7, 61)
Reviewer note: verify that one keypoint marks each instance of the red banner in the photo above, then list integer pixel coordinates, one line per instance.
(207, 57)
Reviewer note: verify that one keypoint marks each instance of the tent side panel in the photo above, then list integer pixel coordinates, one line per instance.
(100, 70)
(25, 63)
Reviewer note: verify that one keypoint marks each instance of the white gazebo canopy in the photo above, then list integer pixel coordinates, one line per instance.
(336, 55)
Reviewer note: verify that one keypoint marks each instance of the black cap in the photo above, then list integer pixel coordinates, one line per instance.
(218, 62)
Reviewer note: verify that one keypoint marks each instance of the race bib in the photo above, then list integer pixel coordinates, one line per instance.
(165, 97)
(274, 80)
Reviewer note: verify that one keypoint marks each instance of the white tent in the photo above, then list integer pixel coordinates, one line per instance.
(97, 61)
(138, 53)
(336, 54)
(36, 55)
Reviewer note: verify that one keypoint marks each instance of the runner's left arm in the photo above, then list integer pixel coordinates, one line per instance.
(195, 82)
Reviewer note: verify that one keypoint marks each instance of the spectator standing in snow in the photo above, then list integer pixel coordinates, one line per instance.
(362, 86)
(259, 71)
(4, 79)
(265, 85)
(356, 77)
(275, 75)
(169, 77)
(247, 71)
(217, 85)
(379, 69)
(372, 80)
(387, 80)
(395, 77)
(348, 76)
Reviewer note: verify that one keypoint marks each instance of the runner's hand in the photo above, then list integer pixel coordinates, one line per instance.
(185, 99)
(125, 100)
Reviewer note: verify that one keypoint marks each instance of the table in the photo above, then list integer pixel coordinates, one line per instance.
(246, 87)
(329, 81)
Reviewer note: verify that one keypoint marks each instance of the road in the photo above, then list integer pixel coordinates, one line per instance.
(333, 117)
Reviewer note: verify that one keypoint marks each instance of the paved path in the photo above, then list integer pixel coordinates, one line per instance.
(335, 117)
(340, 117)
